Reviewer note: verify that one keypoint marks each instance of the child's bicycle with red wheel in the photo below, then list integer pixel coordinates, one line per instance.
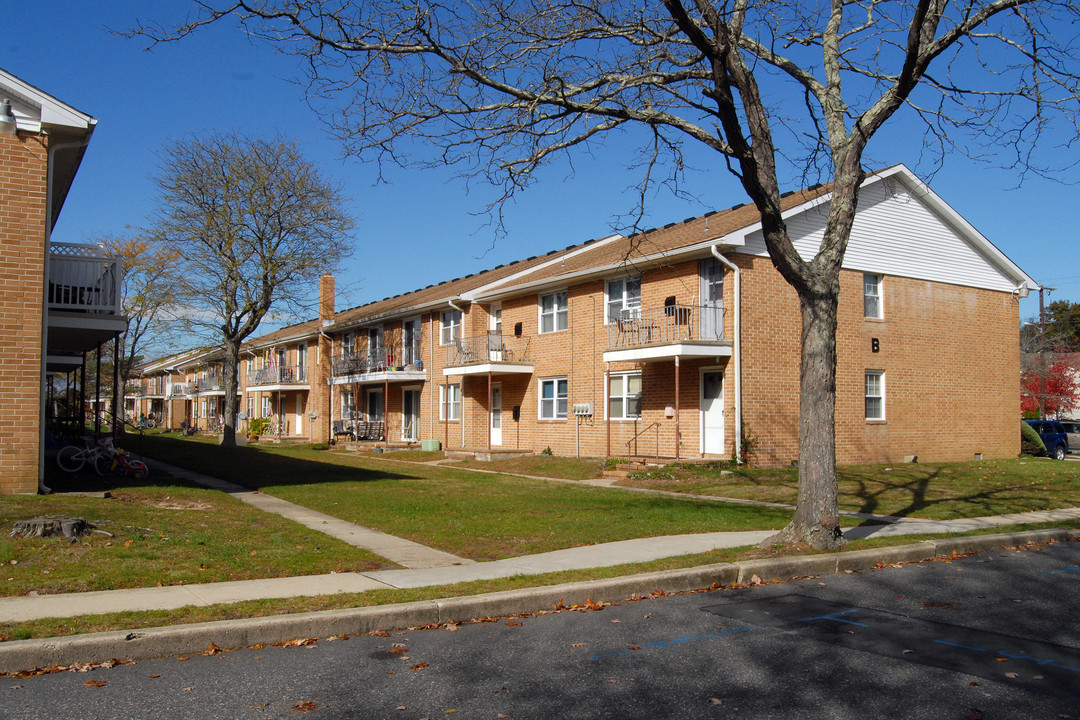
(120, 464)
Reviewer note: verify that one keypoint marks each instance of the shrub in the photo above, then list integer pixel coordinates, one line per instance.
(1030, 442)
(749, 445)
(258, 426)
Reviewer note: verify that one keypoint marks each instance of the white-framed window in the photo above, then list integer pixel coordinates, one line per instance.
(348, 405)
(251, 408)
(875, 395)
(251, 367)
(872, 306)
(211, 409)
(624, 396)
(553, 315)
(553, 394)
(301, 361)
(450, 402)
(348, 344)
(267, 410)
(450, 329)
(623, 298)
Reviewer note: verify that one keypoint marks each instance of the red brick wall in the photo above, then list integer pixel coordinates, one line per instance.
(22, 270)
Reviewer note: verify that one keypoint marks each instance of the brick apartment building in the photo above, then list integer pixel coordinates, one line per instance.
(60, 299)
(657, 345)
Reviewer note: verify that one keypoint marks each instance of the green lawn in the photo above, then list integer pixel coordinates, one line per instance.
(939, 491)
(159, 531)
(480, 516)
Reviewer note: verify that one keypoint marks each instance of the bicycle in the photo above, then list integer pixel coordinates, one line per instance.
(72, 458)
(145, 423)
(120, 465)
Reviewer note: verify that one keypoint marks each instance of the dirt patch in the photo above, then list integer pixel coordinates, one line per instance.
(166, 503)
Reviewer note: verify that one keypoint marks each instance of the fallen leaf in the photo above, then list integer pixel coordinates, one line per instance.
(451, 710)
(451, 627)
(577, 644)
(418, 666)
(714, 701)
(379, 633)
(616, 620)
(399, 650)
(188, 689)
(513, 623)
(94, 683)
(305, 705)
(1002, 659)
(212, 649)
(1011, 675)
(153, 677)
(182, 659)
(633, 647)
(401, 707)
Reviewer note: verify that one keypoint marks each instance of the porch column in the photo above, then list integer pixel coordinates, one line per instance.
(607, 414)
(489, 411)
(678, 433)
(386, 409)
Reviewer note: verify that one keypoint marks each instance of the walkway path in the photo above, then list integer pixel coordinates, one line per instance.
(426, 566)
(397, 550)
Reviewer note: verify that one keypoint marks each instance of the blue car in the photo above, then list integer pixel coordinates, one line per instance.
(1053, 436)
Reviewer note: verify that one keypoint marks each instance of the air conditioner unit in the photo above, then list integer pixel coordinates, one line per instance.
(583, 410)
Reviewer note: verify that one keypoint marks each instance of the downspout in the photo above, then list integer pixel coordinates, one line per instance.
(461, 386)
(736, 351)
(53, 149)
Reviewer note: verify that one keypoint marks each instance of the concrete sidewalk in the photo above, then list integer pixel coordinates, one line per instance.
(424, 566)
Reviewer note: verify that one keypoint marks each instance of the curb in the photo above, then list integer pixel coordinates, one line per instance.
(20, 655)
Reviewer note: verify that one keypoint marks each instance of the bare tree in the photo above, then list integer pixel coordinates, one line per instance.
(499, 89)
(254, 224)
(149, 292)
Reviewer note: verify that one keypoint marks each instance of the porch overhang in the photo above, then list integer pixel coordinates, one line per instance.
(495, 368)
(278, 387)
(669, 351)
(73, 332)
(393, 376)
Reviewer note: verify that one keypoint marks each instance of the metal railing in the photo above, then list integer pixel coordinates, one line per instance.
(632, 444)
(279, 375)
(135, 390)
(380, 359)
(210, 382)
(671, 323)
(83, 279)
(488, 348)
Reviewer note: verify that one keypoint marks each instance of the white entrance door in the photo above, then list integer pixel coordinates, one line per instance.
(712, 412)
(496, 414)
(299, 414)
(712, 299)
(410, 414)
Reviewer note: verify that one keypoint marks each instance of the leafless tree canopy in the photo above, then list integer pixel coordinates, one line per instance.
(253, 225)
(778, 89)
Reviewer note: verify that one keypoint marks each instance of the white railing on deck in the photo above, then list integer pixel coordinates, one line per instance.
(82, 278)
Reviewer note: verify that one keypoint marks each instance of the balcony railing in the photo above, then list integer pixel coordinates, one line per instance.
(135, 390)
(668, 324)
(279, 375)
(83, 279)
(211, 382)
(488, 348)
(380, 359)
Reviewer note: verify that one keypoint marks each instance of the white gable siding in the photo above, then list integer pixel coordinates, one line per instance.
(897, 233)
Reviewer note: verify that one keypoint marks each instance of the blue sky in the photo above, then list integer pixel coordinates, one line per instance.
(423, 226)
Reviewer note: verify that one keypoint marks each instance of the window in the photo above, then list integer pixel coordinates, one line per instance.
(553, 393)
(451, 327)
(624, 397)
(623, 298)
(872, 296)
(301, 361)
(348, 405)
(250, 367)
(450, 402)
(251, 408)
(875, 395)
(553, 312)
(348, 344)
(266, 411)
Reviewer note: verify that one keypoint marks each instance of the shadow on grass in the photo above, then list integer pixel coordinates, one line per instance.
(254, 468)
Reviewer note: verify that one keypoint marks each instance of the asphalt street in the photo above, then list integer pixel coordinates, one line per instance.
(992, 635)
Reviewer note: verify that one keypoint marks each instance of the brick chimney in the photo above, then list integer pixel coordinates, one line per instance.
(326, 298)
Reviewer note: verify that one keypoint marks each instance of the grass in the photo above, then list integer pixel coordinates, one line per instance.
(159, 531)
(937, 491)
(56, 627)
(480, 516)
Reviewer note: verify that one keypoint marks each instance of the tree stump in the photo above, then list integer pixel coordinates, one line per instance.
(50, 525)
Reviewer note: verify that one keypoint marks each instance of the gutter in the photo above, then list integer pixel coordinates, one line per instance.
(736, 350)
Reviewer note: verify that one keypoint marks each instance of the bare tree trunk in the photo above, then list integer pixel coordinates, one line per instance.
(816, 518)
(230, 376)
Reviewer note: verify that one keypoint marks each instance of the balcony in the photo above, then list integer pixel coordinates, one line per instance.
(494, 353)
(84, 302)
(210, 384)
(135, 391)
(664, 333)
(391, 363)
(279, 375)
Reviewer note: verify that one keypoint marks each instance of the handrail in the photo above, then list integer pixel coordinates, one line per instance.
(633, 441)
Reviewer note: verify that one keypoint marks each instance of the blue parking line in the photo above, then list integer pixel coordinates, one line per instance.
(835, 616)
(661, 644)
(1074, 568)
